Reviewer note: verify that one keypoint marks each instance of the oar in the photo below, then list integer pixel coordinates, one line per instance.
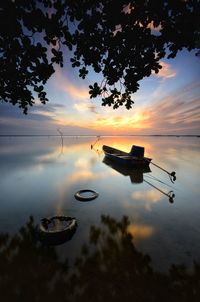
(172, 174)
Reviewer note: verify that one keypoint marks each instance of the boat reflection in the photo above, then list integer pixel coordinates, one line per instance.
(136, 175)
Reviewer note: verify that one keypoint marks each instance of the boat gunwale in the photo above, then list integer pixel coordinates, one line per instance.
(124, 156)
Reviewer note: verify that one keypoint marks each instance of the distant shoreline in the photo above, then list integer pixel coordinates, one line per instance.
(93, 135)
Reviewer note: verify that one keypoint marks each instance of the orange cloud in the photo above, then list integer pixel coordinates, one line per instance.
(166, 71)
(75, 91)
(172, 114)
(124, 123)
(139, 231)
(177, 113)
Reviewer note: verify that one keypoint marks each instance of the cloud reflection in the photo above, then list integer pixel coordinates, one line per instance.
(139, 231)
(148, 198)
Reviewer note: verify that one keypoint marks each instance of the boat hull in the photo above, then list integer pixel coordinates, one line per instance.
(124, 158)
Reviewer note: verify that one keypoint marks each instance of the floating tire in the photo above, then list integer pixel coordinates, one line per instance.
(57, 229)
(80, 195)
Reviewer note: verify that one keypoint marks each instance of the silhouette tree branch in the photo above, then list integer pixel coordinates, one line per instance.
(122, 40)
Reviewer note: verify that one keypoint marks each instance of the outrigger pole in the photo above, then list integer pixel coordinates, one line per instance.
(172, 174)
(170, 194)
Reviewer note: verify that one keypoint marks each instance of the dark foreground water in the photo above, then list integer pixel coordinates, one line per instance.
(138, 241)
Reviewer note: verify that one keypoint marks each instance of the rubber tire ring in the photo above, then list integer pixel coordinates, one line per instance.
(79, 196)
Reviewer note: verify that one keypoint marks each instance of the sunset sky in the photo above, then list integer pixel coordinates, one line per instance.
(167, 103)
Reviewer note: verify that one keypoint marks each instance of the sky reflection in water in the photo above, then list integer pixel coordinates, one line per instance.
(40, 178)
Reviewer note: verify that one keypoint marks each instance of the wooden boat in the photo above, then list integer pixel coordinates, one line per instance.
(134, 158)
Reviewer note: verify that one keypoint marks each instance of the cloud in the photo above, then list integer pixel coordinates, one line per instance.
(62, 82)
(93, 109)
(166, 72)
(40, 124)
(123, 123)
(37, 112)
(41, 119)
(177, 113)
(85, 107)
(50, 107)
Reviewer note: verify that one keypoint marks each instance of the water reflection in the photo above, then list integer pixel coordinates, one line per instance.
(39, 179)
(150, 197)
(136, 176)
(56, 230)
(108, 268)
(140, 231)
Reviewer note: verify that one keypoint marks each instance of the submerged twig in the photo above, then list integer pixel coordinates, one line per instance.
(98, 138)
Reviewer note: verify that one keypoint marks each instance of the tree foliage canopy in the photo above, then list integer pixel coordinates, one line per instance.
(123, 40)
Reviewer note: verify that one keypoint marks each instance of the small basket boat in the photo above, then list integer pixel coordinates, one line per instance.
(57, 229)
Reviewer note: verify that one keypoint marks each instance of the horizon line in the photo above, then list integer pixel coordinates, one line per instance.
(97, 135)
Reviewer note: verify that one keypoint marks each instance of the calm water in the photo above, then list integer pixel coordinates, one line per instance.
(39, 178)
